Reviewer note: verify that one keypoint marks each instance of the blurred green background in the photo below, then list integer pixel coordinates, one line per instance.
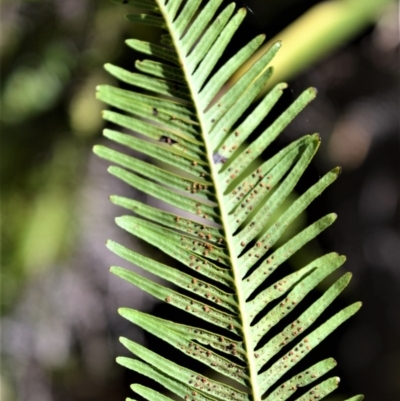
(59, 322)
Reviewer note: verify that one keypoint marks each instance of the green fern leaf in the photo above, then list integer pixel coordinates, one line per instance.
(229, 217)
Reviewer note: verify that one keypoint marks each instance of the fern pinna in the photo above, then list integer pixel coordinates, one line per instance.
(228, 198)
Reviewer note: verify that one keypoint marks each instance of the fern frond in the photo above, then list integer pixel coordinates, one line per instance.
(229, 216)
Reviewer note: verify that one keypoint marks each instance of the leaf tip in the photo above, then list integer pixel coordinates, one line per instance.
(317, 138)
(107, 132)
(282, 86)
(120, 360)
(348, 276)
(130, 42)
(123, 311)
(123, 340)
(97, 150)
(120, 221)
(108, 67)
(112, 170)
(333, 216)
(114, 270)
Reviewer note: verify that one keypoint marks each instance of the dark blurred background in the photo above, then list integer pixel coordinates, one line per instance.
(59, 321)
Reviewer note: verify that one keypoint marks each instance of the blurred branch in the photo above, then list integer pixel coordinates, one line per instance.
(324, 28)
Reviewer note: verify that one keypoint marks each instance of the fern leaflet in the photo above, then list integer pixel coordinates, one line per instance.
(230, 211)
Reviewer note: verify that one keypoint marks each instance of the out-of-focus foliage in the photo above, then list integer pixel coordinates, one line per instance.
(57, 299)
(48, 113)
(322, 29)
(52, 53)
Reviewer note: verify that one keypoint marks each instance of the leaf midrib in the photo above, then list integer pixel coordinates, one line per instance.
(247, 337)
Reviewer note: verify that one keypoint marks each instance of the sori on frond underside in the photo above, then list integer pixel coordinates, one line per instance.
(220, 214)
